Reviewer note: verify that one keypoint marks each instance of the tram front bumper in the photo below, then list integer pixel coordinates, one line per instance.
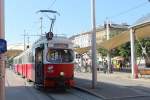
(60, 82)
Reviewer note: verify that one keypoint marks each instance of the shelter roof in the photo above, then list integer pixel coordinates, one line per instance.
(141, 29)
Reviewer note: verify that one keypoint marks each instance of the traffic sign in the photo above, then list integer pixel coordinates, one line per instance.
(49, 35)
(3, 46)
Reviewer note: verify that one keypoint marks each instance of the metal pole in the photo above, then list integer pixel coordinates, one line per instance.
(108, 37)
(28, 40)
(24, 39)
(132, 38)
(41, 18)
(94, 69)
(2, 57)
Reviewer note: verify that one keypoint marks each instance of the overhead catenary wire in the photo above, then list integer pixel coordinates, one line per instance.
(54, 1)
(129, 10)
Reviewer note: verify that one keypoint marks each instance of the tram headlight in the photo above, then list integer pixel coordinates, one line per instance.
(62, 73)
(50, 68)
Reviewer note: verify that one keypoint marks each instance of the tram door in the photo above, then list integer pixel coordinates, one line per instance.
(39, 69)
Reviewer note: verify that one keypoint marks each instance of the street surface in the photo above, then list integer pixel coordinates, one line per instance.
(18, 89)
(116, 86)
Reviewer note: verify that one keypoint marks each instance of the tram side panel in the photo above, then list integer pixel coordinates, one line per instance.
(29, 71)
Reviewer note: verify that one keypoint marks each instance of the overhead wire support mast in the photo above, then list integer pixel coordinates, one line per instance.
(28, 36)
(41, 18)
(94, 69)
(24, 39)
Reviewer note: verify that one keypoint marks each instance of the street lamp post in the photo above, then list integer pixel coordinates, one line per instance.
(94, 69)
(2, 60)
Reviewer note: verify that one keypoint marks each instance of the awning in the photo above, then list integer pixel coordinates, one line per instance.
(115, 41)
(141, 31)
(82, 50)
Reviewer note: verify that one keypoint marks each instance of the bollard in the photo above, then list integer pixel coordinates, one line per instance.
(135, 71)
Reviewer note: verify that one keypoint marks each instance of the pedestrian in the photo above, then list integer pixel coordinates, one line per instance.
(105, 66)
(111, 68)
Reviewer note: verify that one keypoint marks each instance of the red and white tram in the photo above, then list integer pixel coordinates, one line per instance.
(48, 63)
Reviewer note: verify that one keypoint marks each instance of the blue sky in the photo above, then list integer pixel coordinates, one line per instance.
(75, 15)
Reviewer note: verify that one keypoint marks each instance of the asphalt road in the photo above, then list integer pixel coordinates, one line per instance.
(17, 88)
(116, 86)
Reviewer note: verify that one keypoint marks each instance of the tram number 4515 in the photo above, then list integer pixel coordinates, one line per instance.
(3, 46)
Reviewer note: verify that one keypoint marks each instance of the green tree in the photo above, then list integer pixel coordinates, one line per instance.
(102, 51)
(143, 49)
(124, 50)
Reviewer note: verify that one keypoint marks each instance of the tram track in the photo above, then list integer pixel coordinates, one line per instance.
(72, 94)
(67, 96)
(80, 95)
(77, 94)
(28, 91)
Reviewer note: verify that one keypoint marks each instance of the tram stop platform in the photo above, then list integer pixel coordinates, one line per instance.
(114, 86)
(17, 88)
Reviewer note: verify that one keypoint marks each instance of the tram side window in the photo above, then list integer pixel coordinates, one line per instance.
(17, 61)
(51, 55)
(20, 61)
(30, 57)
(33, 57)
(23, 59)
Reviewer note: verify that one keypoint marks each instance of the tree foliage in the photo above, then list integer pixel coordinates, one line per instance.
(142, 46)
(125, 51)
(102, 51)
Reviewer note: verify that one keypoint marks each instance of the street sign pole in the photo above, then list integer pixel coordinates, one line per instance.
(2, 58)
(94, 69)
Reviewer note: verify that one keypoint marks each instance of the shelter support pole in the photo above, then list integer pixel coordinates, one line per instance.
(2, 60)
(109, 60)
(133, 56)
(108, 37)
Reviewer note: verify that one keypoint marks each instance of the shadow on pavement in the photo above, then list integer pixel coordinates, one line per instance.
(110, 91)
(18, 93)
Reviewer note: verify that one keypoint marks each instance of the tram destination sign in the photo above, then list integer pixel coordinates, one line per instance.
(3, 46)
(60, 45)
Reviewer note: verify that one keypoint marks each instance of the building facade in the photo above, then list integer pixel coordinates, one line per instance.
(83, 40)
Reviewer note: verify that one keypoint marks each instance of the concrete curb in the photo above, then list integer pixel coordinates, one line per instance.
(89, 92)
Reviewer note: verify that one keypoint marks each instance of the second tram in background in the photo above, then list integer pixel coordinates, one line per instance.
(48, 63)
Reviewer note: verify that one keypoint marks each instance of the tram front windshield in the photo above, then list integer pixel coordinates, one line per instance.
(59, 56)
